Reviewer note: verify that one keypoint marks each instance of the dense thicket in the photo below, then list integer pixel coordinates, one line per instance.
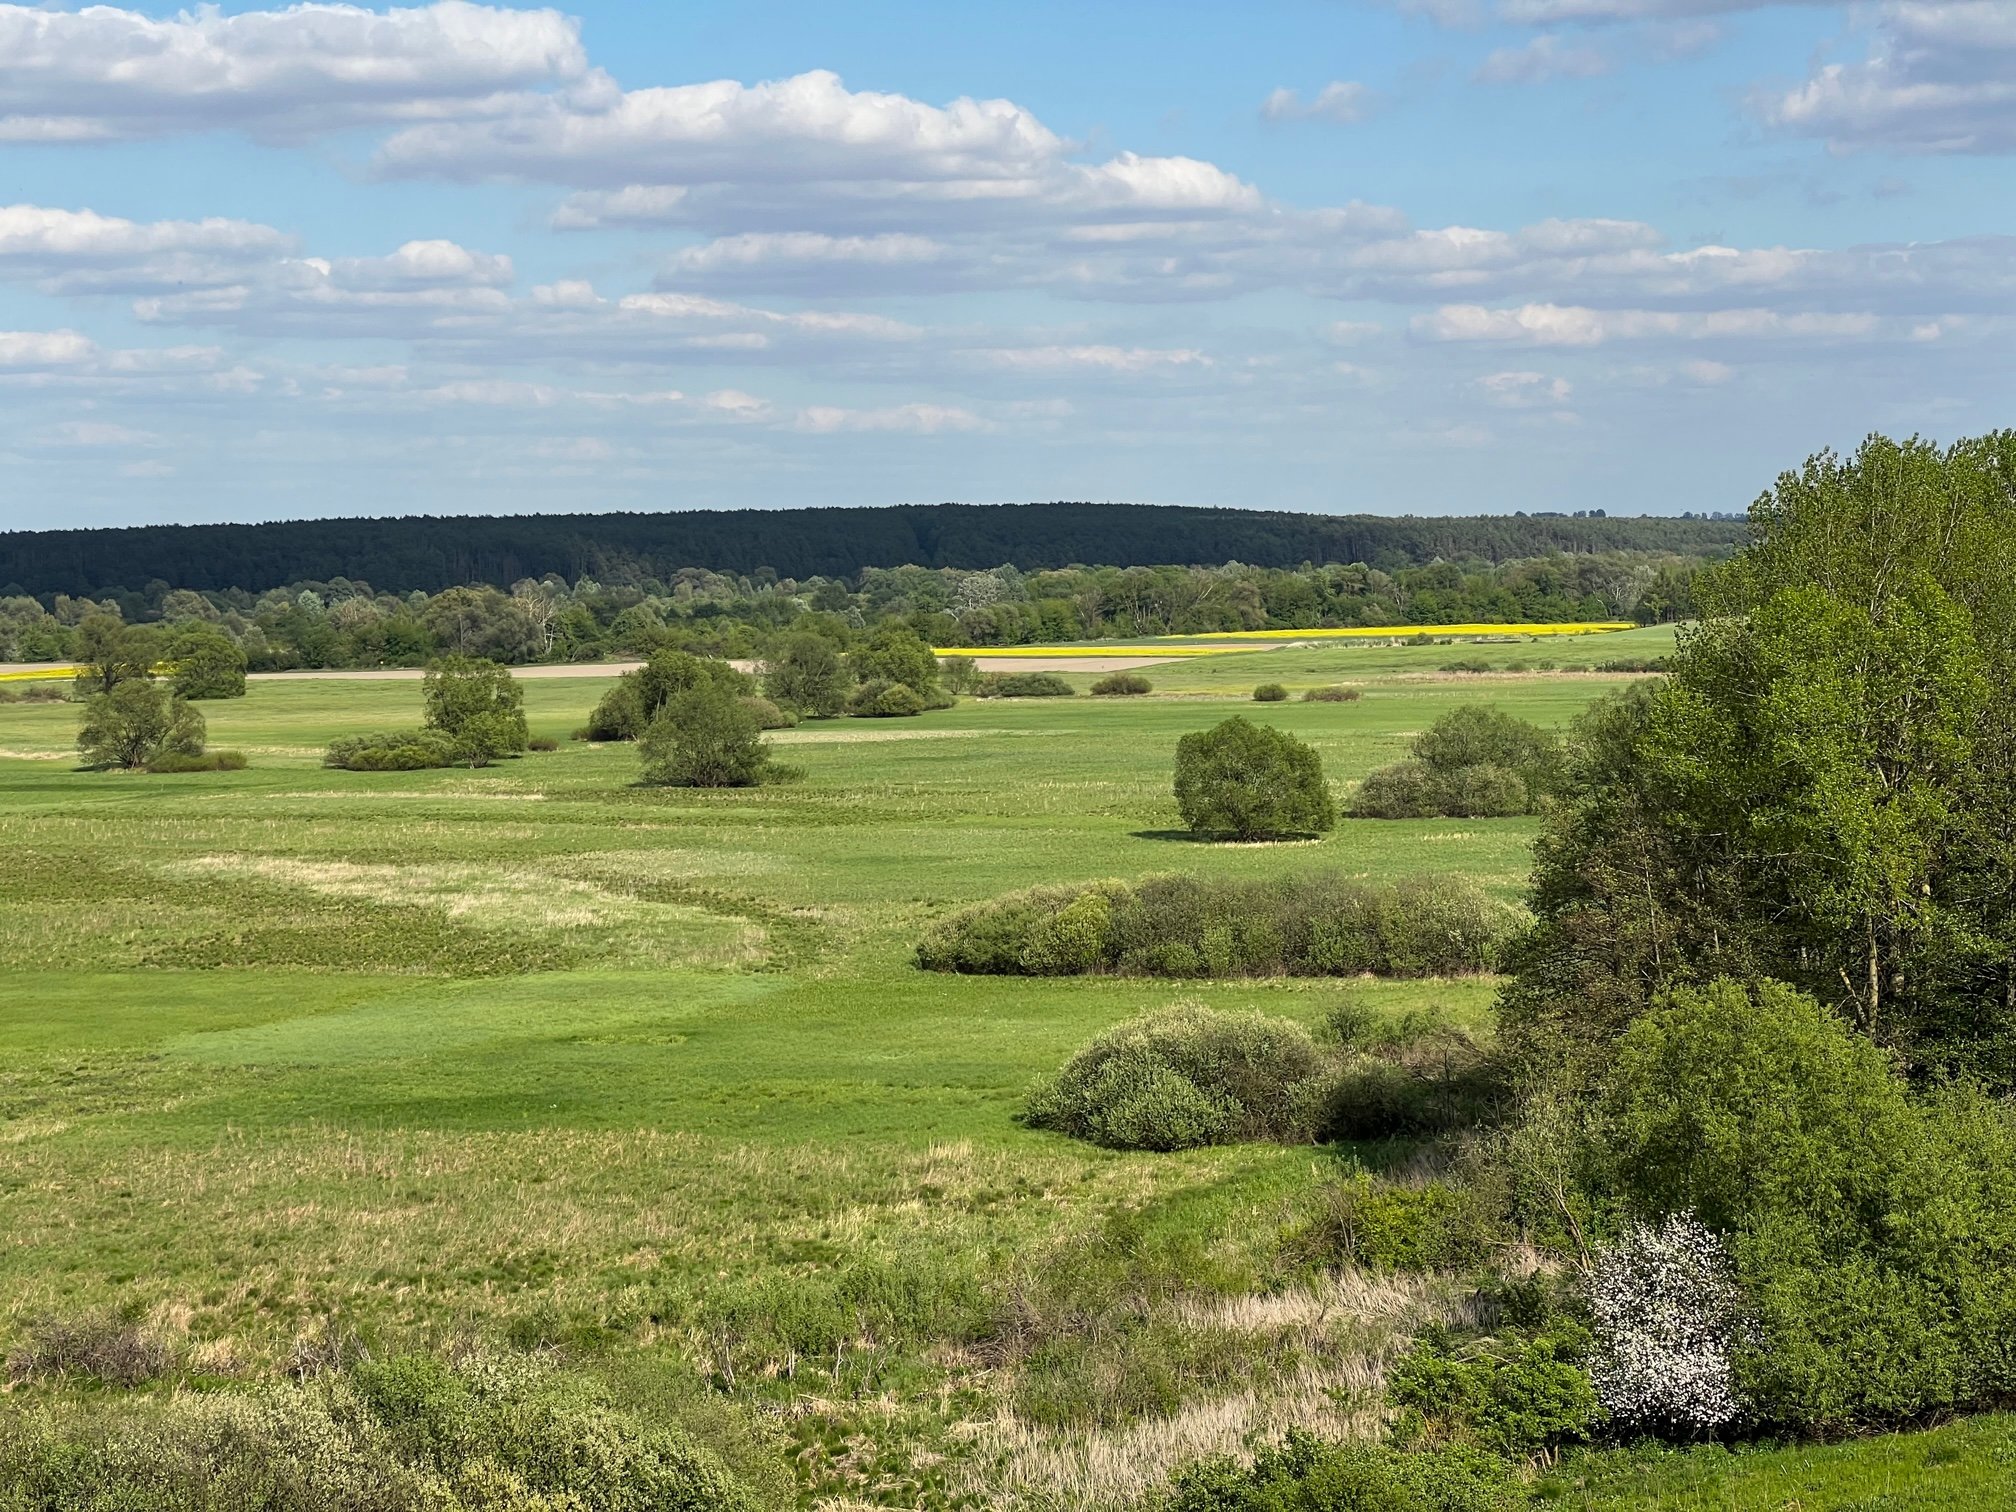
(1823, 790)
(427, 553)
(1475, 762)
(1313, 924)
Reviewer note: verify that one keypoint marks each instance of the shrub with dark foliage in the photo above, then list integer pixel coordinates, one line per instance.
(1122, 684)
(1305, 1474)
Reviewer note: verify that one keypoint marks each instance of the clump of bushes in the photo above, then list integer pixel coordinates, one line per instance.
(409, 1434)
(1332, 694)
(884, 700)
(1270, 693)
(1023, 685)
(1122, 685)
(1515, 1394)
(625, 712)
(1188, 1076)
(390, 751)
(542, 743)
(1475, 762)
(204, 662)
(1636, 664)
(1251, 782)
(766, 714)
(1472, 665)
(35, 692)
(1306, 1474)
(1314, 924)
(1412, 1075)
(209, 761)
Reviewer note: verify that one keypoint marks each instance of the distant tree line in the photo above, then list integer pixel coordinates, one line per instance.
(632, 550)
(348, 622)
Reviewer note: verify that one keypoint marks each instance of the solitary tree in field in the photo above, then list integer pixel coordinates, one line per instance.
(1251, 782)
(808, 676)
(135, 723)
(704, 737)
(478, 705)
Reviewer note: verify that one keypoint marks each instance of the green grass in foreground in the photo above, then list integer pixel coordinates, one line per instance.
(536, 1054)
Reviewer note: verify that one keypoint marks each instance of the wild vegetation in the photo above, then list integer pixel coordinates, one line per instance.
(508, 1134)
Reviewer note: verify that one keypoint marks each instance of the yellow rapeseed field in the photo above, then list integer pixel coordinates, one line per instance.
(40, 674)
(1387, 632)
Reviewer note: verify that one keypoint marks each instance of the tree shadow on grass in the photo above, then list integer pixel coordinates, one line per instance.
(1221, 837)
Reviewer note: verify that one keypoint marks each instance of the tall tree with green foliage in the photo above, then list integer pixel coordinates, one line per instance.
(135, 723)
(1824, 789)
(113, 652)
(704, 737)
(204, 662)
(1251, 782)
(808, 677)
(478, 705)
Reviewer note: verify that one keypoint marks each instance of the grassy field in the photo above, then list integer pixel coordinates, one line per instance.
(532, 1053)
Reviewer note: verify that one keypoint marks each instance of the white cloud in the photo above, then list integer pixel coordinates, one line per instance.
(909, 419)
(1547, 325)
(1524, 390)
(1940, 78)
(99, 434)
(1545, 57)
(103, 73)
(80, 251)
(1110, 359)
(44, 349)
(1343, 102)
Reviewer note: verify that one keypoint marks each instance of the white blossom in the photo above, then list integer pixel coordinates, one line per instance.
(1668, 1316)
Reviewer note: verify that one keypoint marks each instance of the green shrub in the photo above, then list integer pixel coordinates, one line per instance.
(1304, 1474)
(807, 676)
(767, 715)
(1394, 1226)
(478, 705)
(1270, 693)
(1122, 685)
(209, 761)
(1332, 695)
(704, 737)
(1308, 924)
(1472, 763)
(628, 708)
(1417, 1075)
(1473, 665)
(542, 743)
(1873, 1230)
(408, 1434)
(1187, 1076)
(885, 700)
(395, 751)
(1415, 790)
(1251, 782)
(1514, 1394)
(1023, 685)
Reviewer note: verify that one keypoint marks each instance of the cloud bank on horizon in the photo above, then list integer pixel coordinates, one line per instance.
(1438, 256)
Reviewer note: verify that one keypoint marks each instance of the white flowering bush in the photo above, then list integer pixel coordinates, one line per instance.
(1668, 1315)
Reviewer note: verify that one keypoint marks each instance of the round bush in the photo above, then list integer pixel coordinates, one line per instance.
(1332, 695)
(1121, 685)
(1187, 1076)
(885, 700)
(1251, 782)
(1024, 685)
(1270, 693)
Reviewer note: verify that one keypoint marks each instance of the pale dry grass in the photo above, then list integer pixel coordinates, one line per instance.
(1348, 1330)
(868, 737)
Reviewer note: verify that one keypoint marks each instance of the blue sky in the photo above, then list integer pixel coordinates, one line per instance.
(1434, 257)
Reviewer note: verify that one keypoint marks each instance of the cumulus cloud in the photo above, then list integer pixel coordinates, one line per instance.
(1342, 102)
(1940, 78)
(20, 350)
(102, 73)
(1524, 390)
(1107, 359)
(80, 251)
(1545, 57)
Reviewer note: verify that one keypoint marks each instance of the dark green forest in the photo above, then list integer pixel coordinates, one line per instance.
(429, 554)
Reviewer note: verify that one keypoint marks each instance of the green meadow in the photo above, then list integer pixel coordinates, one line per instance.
(531, 1054)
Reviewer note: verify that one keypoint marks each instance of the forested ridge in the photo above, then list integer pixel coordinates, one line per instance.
(431, 553)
